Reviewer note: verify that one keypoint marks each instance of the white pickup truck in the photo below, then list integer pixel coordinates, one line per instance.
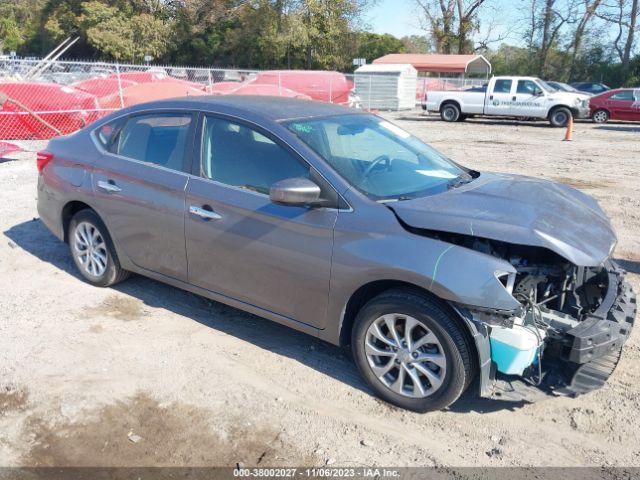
(523, 97)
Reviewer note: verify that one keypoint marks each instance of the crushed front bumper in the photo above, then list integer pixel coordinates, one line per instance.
(582, 111)
(590, 351)
(582, 361)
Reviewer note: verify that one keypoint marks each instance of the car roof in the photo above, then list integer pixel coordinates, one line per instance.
(248, 106)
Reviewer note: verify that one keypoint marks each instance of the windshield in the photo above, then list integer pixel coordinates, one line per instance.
(378, 158)
(546, 86)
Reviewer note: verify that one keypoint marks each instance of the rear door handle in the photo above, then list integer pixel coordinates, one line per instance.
(513, 98)
(204, 213)
(109, 186)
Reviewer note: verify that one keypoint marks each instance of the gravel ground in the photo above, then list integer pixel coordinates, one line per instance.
(145, 374)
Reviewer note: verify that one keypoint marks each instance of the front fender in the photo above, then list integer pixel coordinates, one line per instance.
(450, 272)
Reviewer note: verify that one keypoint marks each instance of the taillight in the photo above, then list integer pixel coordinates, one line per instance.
(43, 158)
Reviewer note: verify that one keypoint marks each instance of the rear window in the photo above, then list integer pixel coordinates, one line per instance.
(107, 133)
(502, 86)
(159, 139)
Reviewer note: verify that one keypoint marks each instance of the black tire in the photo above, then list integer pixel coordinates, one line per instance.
(601, 116)
(113, 272)
(559, 117)
(453, 341)
(450, 112)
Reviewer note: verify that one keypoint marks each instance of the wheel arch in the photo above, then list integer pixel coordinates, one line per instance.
(370, 290)
(68, 211)
(475, 334)
(450, 101)
(574, 111)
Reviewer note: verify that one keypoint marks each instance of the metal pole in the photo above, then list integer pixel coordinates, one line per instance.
(279, 84)
(51, 53)
(50, 62)
(210, 80)
(119, 86)
(369, 92)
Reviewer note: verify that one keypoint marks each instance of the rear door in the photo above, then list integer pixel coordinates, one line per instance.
(243, 246)
(499, 98)
(139, 183)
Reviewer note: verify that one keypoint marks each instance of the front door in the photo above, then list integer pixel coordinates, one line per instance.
(140, 183)
(243, 246)
(620, 105)
(529, 100)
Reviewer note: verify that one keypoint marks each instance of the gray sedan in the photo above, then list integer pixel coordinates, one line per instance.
(340, 224)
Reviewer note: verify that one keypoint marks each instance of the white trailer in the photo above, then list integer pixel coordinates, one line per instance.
(386, 87)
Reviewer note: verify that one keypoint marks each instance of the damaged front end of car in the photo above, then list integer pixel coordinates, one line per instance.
(573, 309)
(568, 334)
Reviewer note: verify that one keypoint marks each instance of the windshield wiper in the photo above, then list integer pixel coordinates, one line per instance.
(458, 181)
(395, 199)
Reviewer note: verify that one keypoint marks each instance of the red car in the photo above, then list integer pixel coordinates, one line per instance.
(618, 104)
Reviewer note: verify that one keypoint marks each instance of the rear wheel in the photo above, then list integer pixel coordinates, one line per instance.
(601, 116)
(92, 250)
(450, 112)
(560, 116)
(411, 351)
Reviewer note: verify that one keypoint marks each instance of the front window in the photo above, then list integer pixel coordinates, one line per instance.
(623, 95)
(240, 156)
(529, 87)
(378, 158)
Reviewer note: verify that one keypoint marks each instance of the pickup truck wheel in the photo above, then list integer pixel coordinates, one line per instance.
(560, 116)
(92, 250)
(601, 116)
(411, 351)
(450, 112)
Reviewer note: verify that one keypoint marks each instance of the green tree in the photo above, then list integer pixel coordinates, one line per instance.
(373, 45)
(416, 44)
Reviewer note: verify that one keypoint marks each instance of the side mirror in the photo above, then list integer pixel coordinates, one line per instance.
(294, 192)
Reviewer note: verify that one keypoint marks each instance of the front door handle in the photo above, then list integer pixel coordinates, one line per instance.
(513, 98)
(109, 186)
(205, 213)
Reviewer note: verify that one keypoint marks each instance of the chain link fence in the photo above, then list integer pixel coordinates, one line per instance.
(43, 99)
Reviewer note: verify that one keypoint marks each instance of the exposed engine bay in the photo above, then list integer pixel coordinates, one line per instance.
(572, 319)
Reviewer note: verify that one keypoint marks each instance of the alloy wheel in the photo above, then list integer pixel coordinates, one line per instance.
(600, 116)
(90, 249)
(405, 355)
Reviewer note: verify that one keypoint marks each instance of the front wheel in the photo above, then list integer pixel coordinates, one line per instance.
(92, 250)
(601, 116)
(560, 117)
(411, 351)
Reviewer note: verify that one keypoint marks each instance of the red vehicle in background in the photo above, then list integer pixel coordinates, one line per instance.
(618, 104)
(331, 87)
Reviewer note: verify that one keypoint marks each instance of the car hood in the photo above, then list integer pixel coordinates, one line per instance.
(568, 96)
(519, 210)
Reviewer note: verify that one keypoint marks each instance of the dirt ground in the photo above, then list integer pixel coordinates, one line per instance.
(145, 374)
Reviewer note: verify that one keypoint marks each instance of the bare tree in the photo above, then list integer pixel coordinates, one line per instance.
(631, 32)
(451, 23)
(587, 10)
(624, 15)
